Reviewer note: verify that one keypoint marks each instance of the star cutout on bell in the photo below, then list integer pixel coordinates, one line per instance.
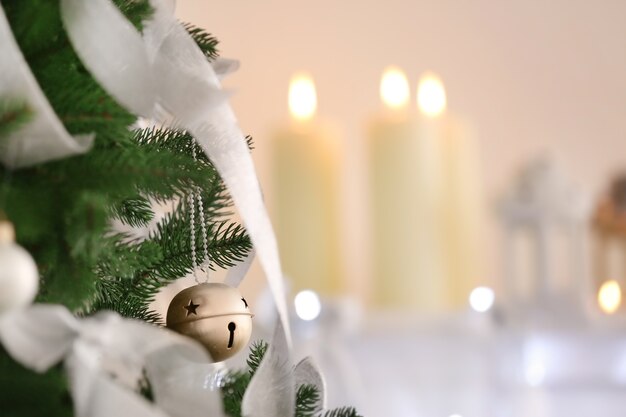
(191, 308)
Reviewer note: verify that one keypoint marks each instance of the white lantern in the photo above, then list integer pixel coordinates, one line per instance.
(544, 218)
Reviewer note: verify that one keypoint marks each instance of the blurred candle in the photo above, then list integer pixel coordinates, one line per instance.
(306, 169)
(405, 199)
(425, 198)
(463, 211)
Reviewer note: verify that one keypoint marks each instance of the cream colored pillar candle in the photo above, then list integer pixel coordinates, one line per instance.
(464, 211)
(306, 179)
(405, 202)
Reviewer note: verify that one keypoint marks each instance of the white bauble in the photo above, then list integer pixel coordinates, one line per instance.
(19, 279)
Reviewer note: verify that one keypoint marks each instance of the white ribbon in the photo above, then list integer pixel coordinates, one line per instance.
(42, 335)
(184, 387)
(44, 138)
(122, 60)
(106, 354)
(271, 391)
(187, 87)
(225, 66)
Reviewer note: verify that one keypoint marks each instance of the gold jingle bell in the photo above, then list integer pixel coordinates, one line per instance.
(214, 314)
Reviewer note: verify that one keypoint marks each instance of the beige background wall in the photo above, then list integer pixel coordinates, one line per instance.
(531, 75)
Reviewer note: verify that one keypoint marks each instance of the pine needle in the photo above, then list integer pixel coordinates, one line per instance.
(257, 352)
(307, 401)
(205, 41)
(342, 412)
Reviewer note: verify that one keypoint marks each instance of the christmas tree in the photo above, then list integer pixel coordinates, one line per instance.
(65, 211)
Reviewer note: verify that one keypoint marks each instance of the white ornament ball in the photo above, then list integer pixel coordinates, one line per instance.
(19, 278)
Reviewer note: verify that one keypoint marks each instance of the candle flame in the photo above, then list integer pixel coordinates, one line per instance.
(302, 97)
(610, 296)
(394, 88)
(431, 95)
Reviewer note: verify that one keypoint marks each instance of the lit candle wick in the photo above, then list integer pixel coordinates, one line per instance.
(431, 95)
(302, 97)
(394, 88)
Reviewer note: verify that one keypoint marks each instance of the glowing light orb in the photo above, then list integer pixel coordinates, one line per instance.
(308, 305)
(394, 88)
(610, 296)
(431, 95)
(302, 97)
(481, 299)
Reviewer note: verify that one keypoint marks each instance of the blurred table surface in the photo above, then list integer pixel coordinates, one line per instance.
(465, 364)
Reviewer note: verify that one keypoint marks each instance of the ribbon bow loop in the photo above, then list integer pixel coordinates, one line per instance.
(105, 356)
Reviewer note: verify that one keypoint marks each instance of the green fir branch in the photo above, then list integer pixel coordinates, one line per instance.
(236, 382)
(19, 384)
(128, 171)
(135, 212)
(140, 273)
(257, 353)
(205, 41)
(36, 27)
(228, 243)
(342, 412)
(250, 142)
(233, 390)
(126, 257)
(130, 307)
(136, 11)
(307, 401)
(173, 140)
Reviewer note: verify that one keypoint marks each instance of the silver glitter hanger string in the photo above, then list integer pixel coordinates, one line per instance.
(204, 264)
